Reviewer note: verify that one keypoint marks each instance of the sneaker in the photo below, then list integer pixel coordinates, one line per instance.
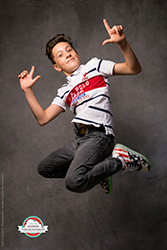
(133, 160)
(106, 184)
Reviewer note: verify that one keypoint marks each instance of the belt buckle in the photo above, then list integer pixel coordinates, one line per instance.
(83, 130)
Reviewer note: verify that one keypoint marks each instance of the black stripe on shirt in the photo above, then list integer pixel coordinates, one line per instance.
(91, 70)
(89, 101)
(63, 94)
(101, 110)
(98, 68)
(81, 119)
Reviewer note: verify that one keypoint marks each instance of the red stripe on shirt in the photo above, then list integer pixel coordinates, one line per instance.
(93, 83)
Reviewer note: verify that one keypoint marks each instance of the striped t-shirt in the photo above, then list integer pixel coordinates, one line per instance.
(87, 95)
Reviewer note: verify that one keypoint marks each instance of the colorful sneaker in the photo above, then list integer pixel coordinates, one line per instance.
(133, 160)
(106, 184)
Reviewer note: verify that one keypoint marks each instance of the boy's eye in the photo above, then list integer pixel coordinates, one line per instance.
(69, 50)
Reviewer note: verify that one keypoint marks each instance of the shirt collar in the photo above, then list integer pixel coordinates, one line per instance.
(75, 73)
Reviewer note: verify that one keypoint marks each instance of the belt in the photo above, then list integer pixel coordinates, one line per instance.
(90, 128)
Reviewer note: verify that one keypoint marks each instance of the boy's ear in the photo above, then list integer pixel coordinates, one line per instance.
(56, 67)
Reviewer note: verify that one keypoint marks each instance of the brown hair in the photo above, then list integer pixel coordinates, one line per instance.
(55, 40)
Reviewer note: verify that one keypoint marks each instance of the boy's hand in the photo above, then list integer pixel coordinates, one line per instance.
(116, 33)
(26, 79)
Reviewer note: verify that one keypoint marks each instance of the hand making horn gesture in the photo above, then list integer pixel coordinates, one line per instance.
(116, 33)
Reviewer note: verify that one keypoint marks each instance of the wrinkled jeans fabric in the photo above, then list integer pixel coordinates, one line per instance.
(84, 163)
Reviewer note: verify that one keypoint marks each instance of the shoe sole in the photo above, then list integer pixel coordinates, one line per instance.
(110, 184)
(107, 188)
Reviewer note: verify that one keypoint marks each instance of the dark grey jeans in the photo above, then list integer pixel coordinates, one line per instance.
(84, 163)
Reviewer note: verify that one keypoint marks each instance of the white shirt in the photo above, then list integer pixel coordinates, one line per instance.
(87, 94)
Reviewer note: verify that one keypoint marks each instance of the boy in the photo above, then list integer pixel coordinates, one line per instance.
(88, 160)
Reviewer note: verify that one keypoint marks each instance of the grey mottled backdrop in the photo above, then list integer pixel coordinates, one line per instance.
(134, 217)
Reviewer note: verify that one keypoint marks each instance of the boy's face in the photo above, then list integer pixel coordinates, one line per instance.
(66, 58)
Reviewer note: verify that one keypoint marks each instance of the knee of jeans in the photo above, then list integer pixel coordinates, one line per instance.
(41, 169)
(72, 184)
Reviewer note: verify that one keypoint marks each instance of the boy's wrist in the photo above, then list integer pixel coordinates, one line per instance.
(122, 43)
(27, 90)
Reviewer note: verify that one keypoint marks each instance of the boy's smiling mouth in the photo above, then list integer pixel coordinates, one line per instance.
(71, 59)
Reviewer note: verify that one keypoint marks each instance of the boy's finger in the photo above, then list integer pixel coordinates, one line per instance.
(106, 25)
(118, 29)
(106, 41)
(23, 74)
(36, 79)
(32, 70)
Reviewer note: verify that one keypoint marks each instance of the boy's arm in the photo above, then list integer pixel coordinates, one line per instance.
(42, 116)
(131, 65)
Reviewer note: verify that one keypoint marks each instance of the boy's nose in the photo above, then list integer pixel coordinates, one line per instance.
(68, 54)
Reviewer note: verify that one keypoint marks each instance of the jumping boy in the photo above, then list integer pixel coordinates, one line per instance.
(92, 158)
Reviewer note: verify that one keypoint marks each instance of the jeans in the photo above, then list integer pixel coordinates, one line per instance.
(84, 163)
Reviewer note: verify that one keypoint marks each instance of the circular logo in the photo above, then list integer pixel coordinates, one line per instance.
(33, 227)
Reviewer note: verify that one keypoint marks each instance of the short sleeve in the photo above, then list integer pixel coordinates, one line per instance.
(106, 67)
(58, 100)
